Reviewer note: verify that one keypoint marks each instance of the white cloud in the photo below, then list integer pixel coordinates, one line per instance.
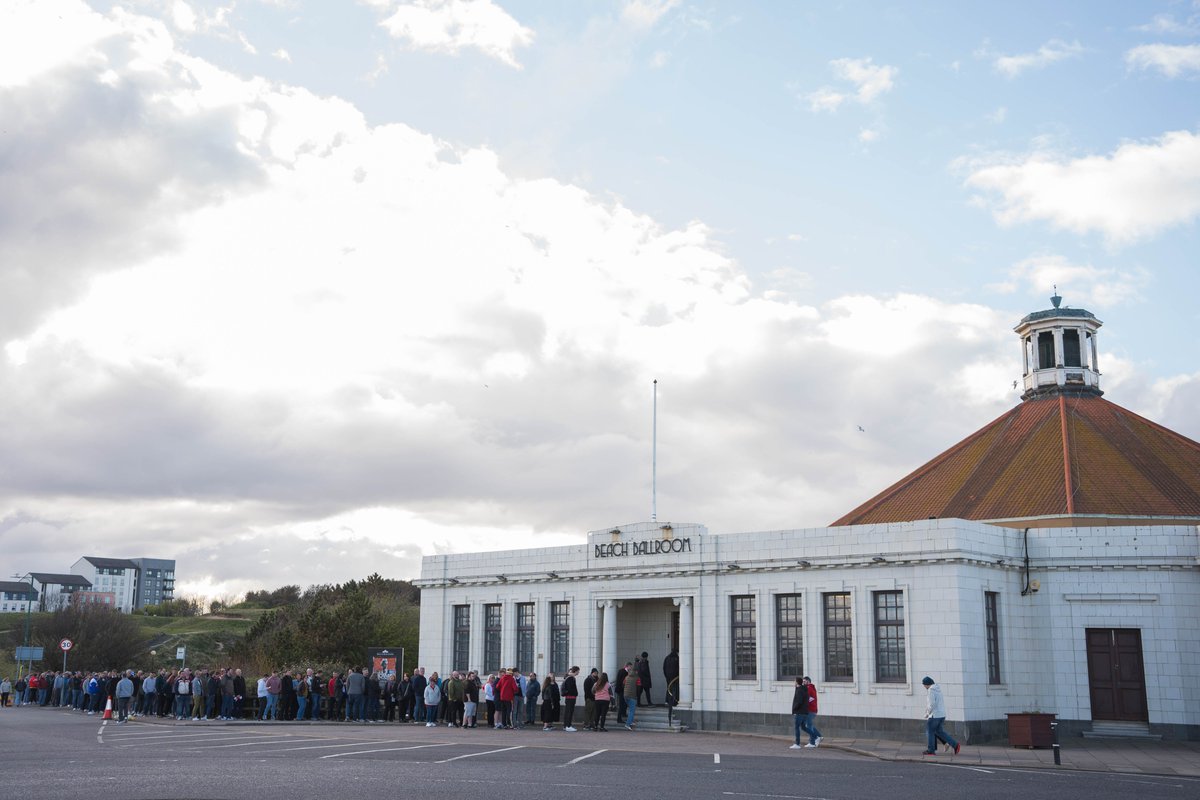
(1135, 192)
(1171, 60)
(283, 55)
(450, 26)
(1051, 52)
(1080, 284)
(870, 82)
(646, 13)
(1166, 23)
(868, 135)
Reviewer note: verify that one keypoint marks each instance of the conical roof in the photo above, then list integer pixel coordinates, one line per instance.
(1058, 459)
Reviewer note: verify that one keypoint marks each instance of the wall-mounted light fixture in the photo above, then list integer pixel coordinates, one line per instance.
(804, 563)
(879, 559)
(733, 566)
(502, 578)
(453, 580)
(553, 575)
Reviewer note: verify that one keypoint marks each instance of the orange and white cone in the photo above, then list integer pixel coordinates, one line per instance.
(108, 708)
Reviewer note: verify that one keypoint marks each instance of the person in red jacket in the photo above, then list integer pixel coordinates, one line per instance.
(810, 718)
(506, 689)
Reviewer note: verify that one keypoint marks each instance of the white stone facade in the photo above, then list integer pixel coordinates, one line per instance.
(623, 593)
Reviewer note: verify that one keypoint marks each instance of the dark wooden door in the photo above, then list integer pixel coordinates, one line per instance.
(1116, 676)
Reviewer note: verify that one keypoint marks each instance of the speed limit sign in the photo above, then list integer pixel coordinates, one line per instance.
(66, 644)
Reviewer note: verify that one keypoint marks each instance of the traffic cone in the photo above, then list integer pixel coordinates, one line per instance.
(108, 708)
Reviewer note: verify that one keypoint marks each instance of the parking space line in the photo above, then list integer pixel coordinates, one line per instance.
(389, 750)
(581, 758)
(484, 753)
(357, 743)
(246, 743)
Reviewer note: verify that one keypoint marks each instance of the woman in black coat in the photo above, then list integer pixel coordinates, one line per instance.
(550, 701)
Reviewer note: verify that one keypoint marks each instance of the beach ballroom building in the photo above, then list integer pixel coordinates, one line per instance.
(1049, 563)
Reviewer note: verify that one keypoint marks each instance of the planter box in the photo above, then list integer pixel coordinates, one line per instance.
(1030, 730)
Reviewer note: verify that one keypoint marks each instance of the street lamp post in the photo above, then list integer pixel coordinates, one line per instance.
(28, 617)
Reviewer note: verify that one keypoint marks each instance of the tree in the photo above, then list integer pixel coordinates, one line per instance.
(103, 637)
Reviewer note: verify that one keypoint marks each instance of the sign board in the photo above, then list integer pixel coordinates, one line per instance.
(180, 653)
(29, 654)
(388, 662)
(66, 644)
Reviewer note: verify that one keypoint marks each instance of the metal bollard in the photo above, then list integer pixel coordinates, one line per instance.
(1057, 753)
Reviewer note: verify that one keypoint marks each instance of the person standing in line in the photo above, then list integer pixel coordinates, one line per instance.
(5, 691)
(589, 700)
(671, 673)
(550, 700)
(570, 693)
(124, 695)
(433, 696)
(274, 687)
(418, 683)
(356, 688)
(260, 697)
(619, 687)
(630, 693)
(532, 690)
(470, 700)
(506, 690)
(643, 673)
(149, 695)
(602, 694)
(935, 716)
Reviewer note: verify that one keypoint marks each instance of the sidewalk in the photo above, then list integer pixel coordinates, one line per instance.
(1100, 755)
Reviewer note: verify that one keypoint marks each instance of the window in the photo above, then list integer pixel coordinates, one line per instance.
(560, 637)
(525, 638)
(491, 637)
(462, 637)
(991, 623)
(839, 641)
(1071, 354)
(743, 639)
(1045, 345)
(789, 636)
(889, 638)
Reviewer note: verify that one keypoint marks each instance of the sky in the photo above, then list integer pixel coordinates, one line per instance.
(295, 291)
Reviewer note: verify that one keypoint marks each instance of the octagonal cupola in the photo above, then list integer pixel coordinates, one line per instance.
(1059, 350)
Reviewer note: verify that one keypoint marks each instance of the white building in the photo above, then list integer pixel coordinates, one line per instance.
(1049, 562)
(116, 575)
(15, 596)
(57, 591)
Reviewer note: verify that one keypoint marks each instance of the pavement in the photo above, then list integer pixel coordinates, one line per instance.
(1130, 756)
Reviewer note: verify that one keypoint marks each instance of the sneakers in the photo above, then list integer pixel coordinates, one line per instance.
(957, 747)
(569, 729)
(817, 742)
(796, 747)
(810, 744)
(929, 753)
(628, 727)
(430, 724)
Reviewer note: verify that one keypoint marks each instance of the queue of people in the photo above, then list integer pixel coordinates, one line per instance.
(505, 699)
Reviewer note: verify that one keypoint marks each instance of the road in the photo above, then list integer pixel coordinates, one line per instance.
(64, 755)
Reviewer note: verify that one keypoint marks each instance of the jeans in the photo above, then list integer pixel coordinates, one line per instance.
(122, 708)
(354, 707)
(810, 727)
(798, 721)
(314, 706)
(227, 706)
(301, 705)
(530, 710)
(181, 705)
(630, 711)
(934, 733)
(149, 703)
(272, 709)
(621, 703)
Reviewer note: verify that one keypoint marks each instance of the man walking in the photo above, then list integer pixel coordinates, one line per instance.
(935, 716)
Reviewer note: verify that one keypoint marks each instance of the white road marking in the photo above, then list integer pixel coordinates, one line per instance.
(786, 796)
(247, 743)
(959, 766)
(581, 758)
(716, 758)
(331, 746)
(484, 753)
(390, 750)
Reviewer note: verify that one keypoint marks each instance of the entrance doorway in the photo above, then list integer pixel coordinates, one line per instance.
(1116, 676)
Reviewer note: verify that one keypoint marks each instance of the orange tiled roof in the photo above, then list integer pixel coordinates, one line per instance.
(1062, 455)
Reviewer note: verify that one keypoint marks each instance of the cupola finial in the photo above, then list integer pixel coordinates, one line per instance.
(1055, 299)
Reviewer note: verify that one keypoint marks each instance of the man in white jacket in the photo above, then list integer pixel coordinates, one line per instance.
(935, 715)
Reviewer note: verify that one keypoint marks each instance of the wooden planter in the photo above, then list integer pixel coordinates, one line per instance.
(1030, 730)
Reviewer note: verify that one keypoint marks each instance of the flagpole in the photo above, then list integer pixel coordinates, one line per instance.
(654, 460)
